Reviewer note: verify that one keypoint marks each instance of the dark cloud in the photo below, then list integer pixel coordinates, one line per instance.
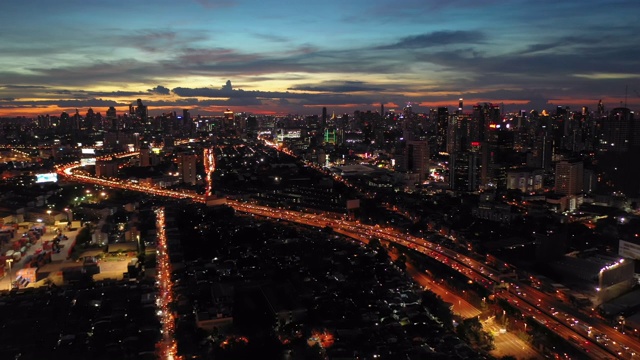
(157, 41)
(66, 103)
(215, 4)
(437, 38)
(272, 38)
(8, 86)
(338, 87)
(160, 90)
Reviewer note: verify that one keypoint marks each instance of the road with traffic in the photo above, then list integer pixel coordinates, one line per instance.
(601, 342)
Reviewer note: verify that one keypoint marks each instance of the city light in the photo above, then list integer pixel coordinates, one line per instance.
(168, 347)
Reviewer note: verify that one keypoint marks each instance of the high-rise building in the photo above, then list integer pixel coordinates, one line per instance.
(417, 158)
(324, 118)
(187, 167)
(112, 119)
(141, 110)
(569, 177)
(229, 120)
(618, 133)
(481, 118)
(442, 121)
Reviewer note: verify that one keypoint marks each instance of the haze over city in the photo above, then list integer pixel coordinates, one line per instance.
(283, 57)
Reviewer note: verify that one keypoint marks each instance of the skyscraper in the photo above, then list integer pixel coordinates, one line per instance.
(417, 158)
(323, 124)
(442, 122)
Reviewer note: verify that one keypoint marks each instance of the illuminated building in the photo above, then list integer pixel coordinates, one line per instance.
(330, 136)
(187, 167)
(442, 121)
(209, 167)
(569, 175)
(525, 180)
(229, 119)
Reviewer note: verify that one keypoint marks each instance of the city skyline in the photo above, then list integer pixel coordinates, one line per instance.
(297, 58)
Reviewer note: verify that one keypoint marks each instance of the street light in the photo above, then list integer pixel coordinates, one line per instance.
(9, 261)
(49, 215)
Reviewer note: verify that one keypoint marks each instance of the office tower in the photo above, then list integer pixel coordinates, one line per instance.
(187, 167)
(416, 156)
(442, 120)
(229, 120)
(323, 124)
(569, 177)
(481, 118)
(382, 110)
(541, 154)
(495, 157)
(464, 170)
(460, 106)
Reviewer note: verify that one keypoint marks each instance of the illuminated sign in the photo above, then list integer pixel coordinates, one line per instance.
(89, 161)
(88, 151)
(45, 178)
(475, 143)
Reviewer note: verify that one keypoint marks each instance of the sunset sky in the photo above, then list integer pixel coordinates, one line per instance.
(297, 56)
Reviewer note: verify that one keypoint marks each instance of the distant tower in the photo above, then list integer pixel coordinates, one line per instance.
(442, 122)
(228, 119)
(460, 106)
(382, 110)
(324, 118)
(141, 110)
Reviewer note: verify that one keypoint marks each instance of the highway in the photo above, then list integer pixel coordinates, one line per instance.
(567, 323)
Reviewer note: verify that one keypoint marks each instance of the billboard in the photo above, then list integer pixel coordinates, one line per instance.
(45, 178)
(353, 204)
(88, 161)
(88, 151)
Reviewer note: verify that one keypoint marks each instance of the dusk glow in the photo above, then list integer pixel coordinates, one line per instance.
(287, 57)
